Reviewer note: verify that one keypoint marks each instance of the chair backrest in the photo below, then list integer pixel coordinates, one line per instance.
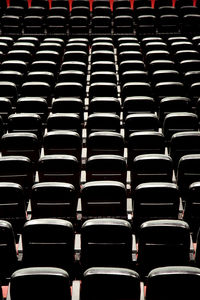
(163, 243)
(183, 143)
(106, 242)
(17, 169)
(103, 198)
(25, 144)
(172, 282)
(110, 283)
(63, 168)
(104, 142)
(191, 211)
(151, 168)
(49, 243)
(188, 172)
(13, 205)
(62, 142)
(106, 167)
(53, 200)
(8, 254)
(155, 200)
(39, 283)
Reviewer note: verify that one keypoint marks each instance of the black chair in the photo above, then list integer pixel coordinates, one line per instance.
(17, 169)
(103, 76)
(48, 243)
(131, 89)
(63, 142)
(163, 243)
(36, 89)
(33, 105)
(72, 76)
(182, 280)
(146, 24)
(44, 65)
(144, 142)
(74, 65)
(104, 142)
(64, 121)
(106, 167)
(69, 89)
(68, 105)
(104, 105)
(140, 122)
(168, 23)
(191, 211)
(103, 89)
(21, 143)
(110, 283)
(54, 200)
(191, 23)
(179, 122)
(103, 199)
(14, 65)
(12, 76)
(138, 104)
(130, 65)
(123, 24)
(25, 122)
(128, 45)
(56, 24)
(135, 76)
(154, 201)
(187, 172)
(77, 46)
(173, 104)
(13, 206)
(11, 24)
(73, 55)
(106, 243)
(24, 45)
(9, 90)
(183, 143)
(103, 65)
(164, 76)
(5, 109)
(61, 168)
(79, 24)
(157, 55)
(151, 168)
(99, 27)
(106, 55)
(43, 76)
(50, 282)
(98, 122)
(9, 260)
(51, 55)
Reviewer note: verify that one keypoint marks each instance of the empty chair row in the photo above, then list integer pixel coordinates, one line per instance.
(97, 280)
(50, 243)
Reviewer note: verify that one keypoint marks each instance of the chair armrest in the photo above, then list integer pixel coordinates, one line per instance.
(129, 208)
(8, 294)
(180, 211)
(76, 285)
(79, 210)
(192, 251)
(77, 246)
(141, 290)
(29, 207)
(134, 249)
(79, 206)
(20, 249)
